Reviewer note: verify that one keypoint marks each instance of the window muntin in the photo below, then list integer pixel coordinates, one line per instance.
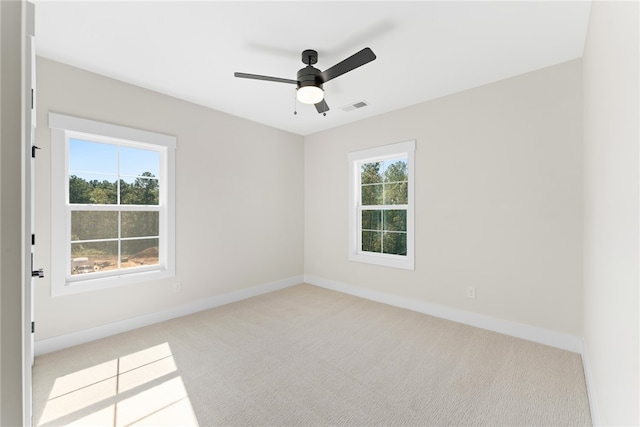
(112, 205)
(381, 205)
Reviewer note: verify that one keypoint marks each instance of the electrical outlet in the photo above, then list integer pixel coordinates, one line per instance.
(177, 287)
(471, 292)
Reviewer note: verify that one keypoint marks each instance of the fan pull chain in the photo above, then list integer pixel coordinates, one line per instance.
(295, 104)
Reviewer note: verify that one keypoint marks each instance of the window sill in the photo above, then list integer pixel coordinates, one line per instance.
(89, 285)
(406, 263)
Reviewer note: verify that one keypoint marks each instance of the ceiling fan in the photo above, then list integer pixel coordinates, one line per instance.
(310, 80)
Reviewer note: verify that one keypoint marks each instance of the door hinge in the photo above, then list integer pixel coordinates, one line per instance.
(33, 150)
(33, 327)
(32, 106)
(33, 239)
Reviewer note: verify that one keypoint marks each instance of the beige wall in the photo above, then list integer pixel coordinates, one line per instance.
(239, 197)
(11, 33)
(611, 177)
(498, 200)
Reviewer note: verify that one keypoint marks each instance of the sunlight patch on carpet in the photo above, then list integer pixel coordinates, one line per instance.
(142, 388)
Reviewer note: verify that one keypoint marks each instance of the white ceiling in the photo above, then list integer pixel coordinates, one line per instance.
(425, 49)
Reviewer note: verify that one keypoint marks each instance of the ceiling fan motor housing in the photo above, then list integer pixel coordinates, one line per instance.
(308, 76)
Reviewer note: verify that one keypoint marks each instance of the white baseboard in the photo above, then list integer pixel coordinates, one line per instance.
(591, 387)
(69, 340)
(519, 330)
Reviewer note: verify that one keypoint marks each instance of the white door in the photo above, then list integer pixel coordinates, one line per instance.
(29, 208)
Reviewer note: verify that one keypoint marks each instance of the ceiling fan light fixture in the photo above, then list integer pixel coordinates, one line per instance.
(310, 94)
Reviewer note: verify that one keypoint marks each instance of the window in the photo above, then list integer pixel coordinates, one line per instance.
(381, 218)
(112, 205)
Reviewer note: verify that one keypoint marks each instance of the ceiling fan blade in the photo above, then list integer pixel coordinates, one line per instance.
(267, 78)
(322, 106)
(354, 61)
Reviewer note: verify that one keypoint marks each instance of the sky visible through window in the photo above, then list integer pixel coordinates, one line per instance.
(93, 160)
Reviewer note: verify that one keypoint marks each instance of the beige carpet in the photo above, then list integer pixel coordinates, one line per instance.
(309, 356)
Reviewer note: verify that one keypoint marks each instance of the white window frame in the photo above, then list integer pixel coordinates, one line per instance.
(356, 160)
(63, 128)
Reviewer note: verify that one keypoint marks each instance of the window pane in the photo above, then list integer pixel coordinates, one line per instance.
(139, 171)
(139, 252)
(94, 256)
(95, 189)
(136, 162)
(395, 243)
(371, 220)
(140, 191)
(371, 173)
(371, 241)
(395, 170)
(395, 220)
(85, 156)
(372, 194)
(395, 194)
(88, 225)
(140, 224)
